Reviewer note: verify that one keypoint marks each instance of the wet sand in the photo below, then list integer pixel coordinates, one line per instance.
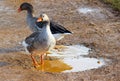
(98, 30)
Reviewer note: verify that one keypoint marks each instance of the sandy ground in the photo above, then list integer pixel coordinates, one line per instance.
(100, 32)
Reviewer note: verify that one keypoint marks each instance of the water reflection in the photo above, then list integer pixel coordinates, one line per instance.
(86, 10)
(71, 59)
(93, 13)
(54, 66)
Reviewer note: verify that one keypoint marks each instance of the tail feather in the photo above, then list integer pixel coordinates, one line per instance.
(25, 47)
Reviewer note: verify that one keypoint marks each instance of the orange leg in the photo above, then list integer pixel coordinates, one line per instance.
(34, 61)
(42, 62)
(42, 59)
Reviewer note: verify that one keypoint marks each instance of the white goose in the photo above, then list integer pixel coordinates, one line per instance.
(38, 43)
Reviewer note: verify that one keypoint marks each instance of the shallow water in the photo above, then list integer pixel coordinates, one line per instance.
(82, 64)
(93, 13)
(86, 10)
(71, 59)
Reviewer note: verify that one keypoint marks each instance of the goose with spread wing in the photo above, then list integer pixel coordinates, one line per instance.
(57, 30)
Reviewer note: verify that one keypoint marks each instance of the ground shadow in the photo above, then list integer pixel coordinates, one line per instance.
(3, 64)
(11, 49)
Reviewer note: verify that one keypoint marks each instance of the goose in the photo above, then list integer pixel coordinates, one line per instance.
(39, 42)
(57, 30)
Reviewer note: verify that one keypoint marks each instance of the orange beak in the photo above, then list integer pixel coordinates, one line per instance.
(39, 19)
(19, 10)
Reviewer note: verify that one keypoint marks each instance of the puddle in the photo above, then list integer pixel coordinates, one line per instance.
(71, 51)
(95, 13)
(3, 64)
(82, 64)
(54, 66)
(86, 10)
(71, 59)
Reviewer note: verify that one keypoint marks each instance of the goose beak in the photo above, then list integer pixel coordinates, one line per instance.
(19, 10)
(39, 19)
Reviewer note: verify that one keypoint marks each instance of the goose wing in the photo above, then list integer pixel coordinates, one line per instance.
(29, 40)
(55, 28)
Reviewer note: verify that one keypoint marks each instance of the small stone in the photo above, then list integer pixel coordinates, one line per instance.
(91, 24)
(98, 62)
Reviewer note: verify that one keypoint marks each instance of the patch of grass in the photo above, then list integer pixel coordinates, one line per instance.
(115, 3)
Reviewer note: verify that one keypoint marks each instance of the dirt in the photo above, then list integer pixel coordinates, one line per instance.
(101, 34)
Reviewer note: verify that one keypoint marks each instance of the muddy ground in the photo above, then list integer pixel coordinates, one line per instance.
(100, 32)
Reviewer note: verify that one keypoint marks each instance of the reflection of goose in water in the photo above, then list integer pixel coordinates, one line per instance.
(54, 66)
(71, 59)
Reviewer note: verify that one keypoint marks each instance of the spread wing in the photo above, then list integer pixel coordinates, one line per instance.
(55, 27)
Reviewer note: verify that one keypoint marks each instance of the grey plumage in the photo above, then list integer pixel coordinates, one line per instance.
(57, 30)
(42, 41)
